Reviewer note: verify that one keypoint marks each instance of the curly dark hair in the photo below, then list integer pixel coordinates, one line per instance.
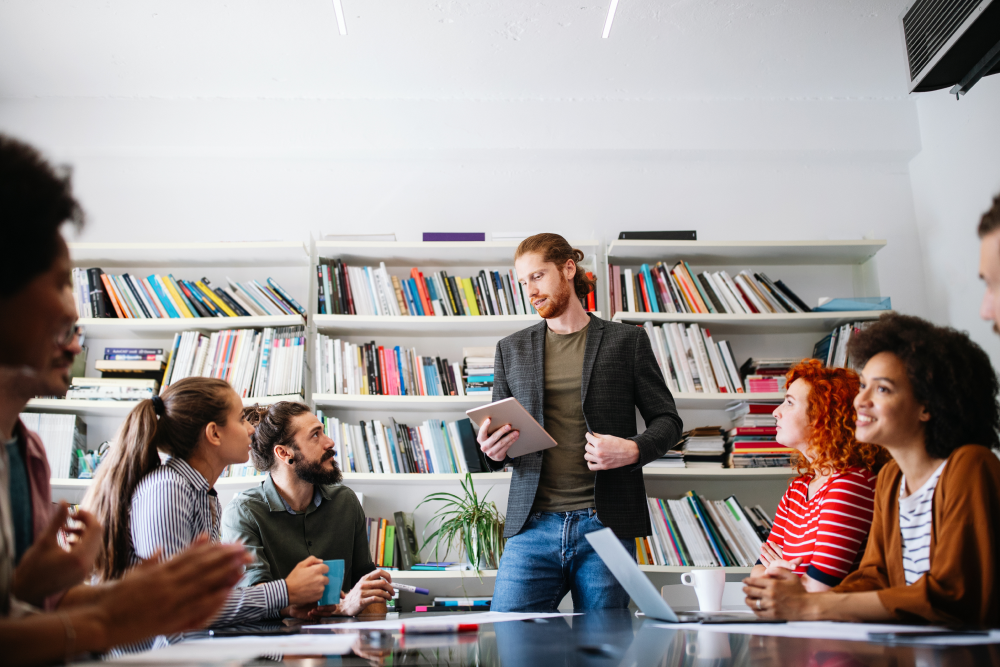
(35, 200)
(951, 375)
(272, 427)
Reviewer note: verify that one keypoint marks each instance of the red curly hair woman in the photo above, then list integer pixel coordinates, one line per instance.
(821, 526)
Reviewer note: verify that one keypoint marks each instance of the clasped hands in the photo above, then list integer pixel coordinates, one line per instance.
(779, 593)
(306, 583)
(602, 452)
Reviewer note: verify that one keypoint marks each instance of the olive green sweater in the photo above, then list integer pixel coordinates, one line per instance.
(332, 527)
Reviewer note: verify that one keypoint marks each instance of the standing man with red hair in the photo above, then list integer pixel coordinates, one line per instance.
(582, 378)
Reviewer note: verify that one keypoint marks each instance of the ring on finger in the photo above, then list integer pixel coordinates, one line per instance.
(759, 608)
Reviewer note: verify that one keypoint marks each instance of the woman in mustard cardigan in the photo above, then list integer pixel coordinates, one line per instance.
(929, 396)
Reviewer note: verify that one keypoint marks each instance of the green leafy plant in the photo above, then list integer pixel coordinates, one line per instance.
(472, 524)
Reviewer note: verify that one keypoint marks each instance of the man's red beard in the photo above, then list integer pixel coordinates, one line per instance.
(555, 304)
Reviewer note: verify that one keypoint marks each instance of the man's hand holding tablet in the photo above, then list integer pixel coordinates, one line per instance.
(495, 446)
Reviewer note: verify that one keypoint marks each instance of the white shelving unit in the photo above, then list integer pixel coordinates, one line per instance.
(852, 264)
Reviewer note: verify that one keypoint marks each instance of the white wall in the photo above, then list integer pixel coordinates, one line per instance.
(282, 169)
(955, 177)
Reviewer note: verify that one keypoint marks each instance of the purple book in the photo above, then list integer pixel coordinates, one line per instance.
(454, 236)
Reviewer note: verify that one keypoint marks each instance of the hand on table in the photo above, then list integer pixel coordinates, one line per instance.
(607, 452)
(373, 587)
(779, 595)
(47, 568)
(772, 557)
(495, 446)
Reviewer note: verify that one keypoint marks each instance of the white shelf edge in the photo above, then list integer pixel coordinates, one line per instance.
(728, 318)
(695, 399)
(184, 245)
(84, 406)
(361, 401)
(443, 245)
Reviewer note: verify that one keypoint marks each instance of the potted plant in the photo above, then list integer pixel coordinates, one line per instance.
(472, 524)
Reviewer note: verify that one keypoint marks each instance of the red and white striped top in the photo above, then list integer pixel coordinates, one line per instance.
(829, 531)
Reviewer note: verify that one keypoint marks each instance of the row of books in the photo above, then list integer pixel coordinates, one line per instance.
(100, 294)
(393, 542)
(376, 370)
(657, 289)
(269, 362)
(370, 290)
(63, 436)
(692, 361)
(434, 446)
(832, 349)
(693, 531)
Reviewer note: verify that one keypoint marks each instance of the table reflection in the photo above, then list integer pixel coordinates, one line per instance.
(619, 639)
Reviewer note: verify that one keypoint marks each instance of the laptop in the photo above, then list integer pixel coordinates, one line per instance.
(644, 593)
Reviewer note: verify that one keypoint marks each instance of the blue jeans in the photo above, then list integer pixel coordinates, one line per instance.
(549, 558)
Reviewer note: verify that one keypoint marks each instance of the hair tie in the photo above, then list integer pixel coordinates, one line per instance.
(158, 406)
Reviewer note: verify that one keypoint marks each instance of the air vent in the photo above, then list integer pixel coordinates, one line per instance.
(951, 42)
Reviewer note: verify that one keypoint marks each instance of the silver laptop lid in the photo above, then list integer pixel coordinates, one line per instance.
(632, 579)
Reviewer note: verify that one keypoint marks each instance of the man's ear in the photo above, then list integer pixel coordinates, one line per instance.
(284, 454)
(569, 269)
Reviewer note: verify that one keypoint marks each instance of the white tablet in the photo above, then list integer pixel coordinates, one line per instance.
(532, 438)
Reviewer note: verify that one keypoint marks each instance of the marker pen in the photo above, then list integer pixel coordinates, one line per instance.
(439, 628)
(411, 589)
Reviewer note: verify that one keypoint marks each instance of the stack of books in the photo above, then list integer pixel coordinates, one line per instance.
(432, 447)
(751, 440)
(692, 361)
(448, 566)
(132, 363)
(832, 349)
(658, 289)
(477, 367)
(370, 290)
(111, 389)
(376, 370)
(63, 436)
(704, 447)
(270, 362)
(766, 375)
(672, 459)
(100, 294)
(693, 531)
(457, 604)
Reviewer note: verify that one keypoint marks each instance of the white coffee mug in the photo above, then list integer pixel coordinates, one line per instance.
(708, 586)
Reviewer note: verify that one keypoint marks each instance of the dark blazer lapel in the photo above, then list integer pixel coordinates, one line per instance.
(594, 336)
(538, 371)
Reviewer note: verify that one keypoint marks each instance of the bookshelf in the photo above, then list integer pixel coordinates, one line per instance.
(818, 268)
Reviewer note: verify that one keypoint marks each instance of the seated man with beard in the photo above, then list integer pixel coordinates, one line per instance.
(300, 512)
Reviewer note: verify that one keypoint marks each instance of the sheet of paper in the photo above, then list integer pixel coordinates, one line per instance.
(245, 648)
(829, 630)
(397, 624)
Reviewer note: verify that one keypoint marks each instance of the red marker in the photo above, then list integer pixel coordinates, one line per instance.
(439, 628)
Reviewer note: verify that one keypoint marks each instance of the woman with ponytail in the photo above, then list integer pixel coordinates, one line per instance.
(149, 508)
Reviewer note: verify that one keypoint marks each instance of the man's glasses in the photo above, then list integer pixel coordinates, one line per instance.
(67, 334)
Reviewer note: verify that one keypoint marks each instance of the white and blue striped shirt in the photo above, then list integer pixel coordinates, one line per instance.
(172, 506)
(915, 522)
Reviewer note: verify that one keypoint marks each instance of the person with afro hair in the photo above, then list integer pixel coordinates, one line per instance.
(928, 395)
(822, 522)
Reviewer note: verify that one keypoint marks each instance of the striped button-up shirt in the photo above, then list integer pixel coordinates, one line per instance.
(170, 508)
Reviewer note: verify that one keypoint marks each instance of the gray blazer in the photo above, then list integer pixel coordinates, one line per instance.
(620, 373)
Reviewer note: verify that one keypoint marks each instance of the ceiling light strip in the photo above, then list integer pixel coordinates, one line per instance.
(607, 24)
(337, 7)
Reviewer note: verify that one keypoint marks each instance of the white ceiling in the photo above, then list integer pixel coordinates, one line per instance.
(452, 49)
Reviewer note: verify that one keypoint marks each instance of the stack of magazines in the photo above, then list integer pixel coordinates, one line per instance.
(704, 447)
(693, 531)
(751, 440)
(477, 367)
(766, 375)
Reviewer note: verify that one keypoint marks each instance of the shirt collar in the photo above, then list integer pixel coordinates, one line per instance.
(276, 502)
(192, 476)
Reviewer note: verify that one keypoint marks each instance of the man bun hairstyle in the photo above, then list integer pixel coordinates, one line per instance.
(35, 200)
(991, 219)
(554, 248)
(950, 375)
(271, 428)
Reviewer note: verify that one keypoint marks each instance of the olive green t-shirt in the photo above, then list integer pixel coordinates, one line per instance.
(566, 483)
